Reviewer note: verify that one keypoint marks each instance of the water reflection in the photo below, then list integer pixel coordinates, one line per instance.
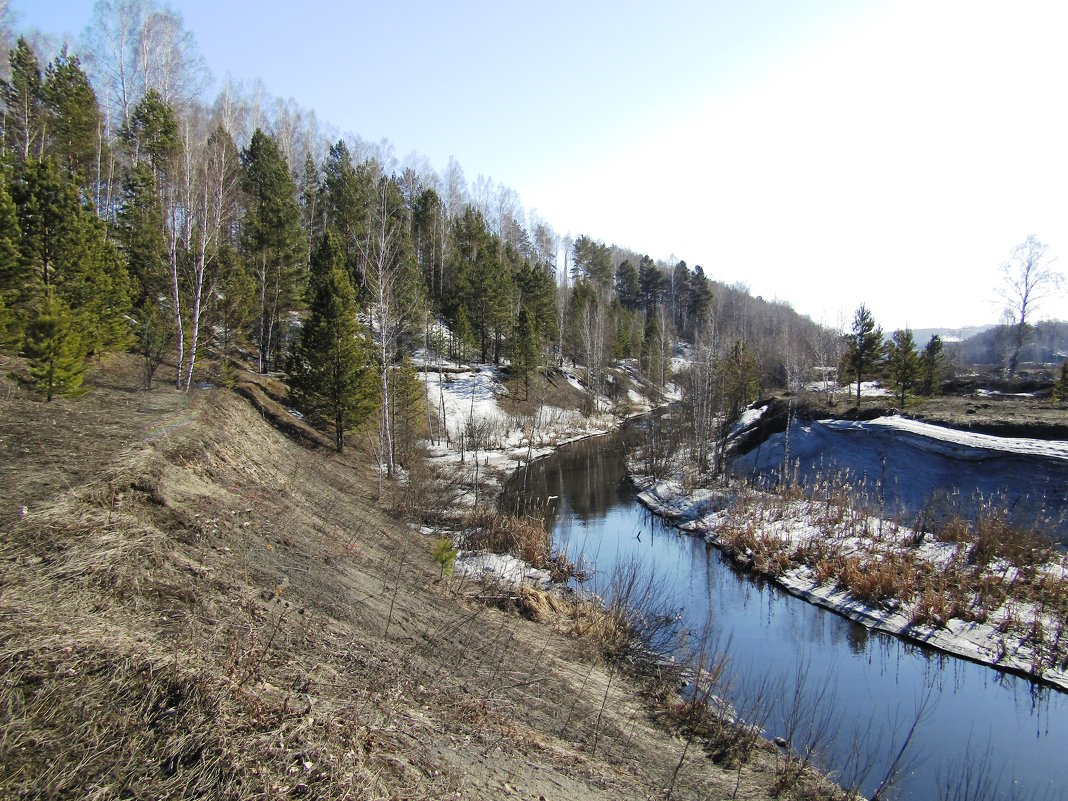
(869, 683)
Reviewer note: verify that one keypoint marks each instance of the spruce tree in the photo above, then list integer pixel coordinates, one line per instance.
(864, 349)
(332, 378)
(54, 350)
(902, 363)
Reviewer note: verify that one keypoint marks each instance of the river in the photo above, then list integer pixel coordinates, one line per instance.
(858, 689)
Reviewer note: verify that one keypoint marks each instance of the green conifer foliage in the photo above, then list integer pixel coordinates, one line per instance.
(463, 336)
(23, 96)
(235, 301)
(54, 350)
(931, 365)
(1060, 389)
(273, 243)
(525, 348)
(332, 377)
(151, 133)
(902, 363)
(864, 348)
(12, 277)
(739, 381)
(73, 117)
(64, 249)
(141, 235)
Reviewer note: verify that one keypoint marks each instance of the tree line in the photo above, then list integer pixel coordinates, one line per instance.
(136, 215)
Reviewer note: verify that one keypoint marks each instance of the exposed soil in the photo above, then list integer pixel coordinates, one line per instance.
(193, 603)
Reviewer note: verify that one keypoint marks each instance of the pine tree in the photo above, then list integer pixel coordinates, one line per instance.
(864, 349)
(902, 363)
(235, 301)
(332, 378)
(9, 328)
(64, 249)
(151, 133)
(23, 96)
(525, 348)
(54, 350)
(738, 381)
(408, 414)
(12, 272)
(346, 198)
(931, 365)
(154, 339)
(142, 236)
(627, 290)
(463, 335)
(272, 241)
(73, 117)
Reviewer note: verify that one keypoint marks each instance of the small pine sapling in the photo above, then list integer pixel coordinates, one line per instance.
(444, 553)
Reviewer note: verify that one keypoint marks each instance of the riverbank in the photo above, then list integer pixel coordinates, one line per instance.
(996, 607)
(205, 604)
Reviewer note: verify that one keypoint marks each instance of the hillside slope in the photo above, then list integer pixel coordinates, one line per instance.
(195, 605)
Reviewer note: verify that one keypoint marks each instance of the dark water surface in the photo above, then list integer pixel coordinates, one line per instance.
(862, 690)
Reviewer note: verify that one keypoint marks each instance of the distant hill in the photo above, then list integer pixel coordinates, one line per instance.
(1047, 344)
(922, 335)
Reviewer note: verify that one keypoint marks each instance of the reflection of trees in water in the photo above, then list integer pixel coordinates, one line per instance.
(586, 478)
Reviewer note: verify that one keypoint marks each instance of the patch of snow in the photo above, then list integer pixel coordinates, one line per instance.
(747, 419)
(904, 464)
(930, 433)
(499, 568)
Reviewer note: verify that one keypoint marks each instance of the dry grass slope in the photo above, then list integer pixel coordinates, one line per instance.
(194, 605)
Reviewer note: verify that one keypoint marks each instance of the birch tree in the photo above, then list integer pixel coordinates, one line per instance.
(394, 304)
(1027, 281)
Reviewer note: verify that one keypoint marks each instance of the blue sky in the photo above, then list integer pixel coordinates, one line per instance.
(825, 153)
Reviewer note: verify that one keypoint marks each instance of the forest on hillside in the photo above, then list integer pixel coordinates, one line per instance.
(138, 212)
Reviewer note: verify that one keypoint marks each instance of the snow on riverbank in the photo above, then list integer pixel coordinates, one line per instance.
(819, 553)
(485, 444)
(1005, 639)
(490, 443)
(909, 465)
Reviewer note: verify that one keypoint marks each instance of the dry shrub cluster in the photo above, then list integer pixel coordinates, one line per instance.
(994, 569)
(575, 616)
(485, 529)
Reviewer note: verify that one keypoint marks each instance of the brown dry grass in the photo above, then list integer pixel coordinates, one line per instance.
(994, 565)
(193, 605)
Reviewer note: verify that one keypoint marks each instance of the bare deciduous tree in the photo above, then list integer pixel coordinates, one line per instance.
(1027, 280)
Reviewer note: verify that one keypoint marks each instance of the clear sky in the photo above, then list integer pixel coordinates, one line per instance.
(825, 152)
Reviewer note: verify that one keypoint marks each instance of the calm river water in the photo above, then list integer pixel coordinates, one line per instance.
(862, 689)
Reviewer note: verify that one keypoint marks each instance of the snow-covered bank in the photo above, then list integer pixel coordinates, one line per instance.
(485, 442)
(799, 545)
(909, 465)
(482, 444)
(982, 601)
